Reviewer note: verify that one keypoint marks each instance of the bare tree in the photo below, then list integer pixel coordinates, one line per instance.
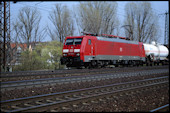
(129, 26)
(26, 27)
(62, 21)
(97, 17)
(140, 22)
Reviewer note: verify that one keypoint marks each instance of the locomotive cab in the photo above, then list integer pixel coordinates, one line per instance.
(71, 51)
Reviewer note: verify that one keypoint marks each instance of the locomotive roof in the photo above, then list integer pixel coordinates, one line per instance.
(74, 36)
(117, 40)
(107, 39)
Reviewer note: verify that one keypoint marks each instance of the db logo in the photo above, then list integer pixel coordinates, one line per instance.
(120, 49)
(71, 50)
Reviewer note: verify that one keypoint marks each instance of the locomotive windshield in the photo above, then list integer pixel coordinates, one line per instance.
(73, 41)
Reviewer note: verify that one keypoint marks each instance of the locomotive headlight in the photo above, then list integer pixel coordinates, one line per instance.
(78, 54)
(64, 54)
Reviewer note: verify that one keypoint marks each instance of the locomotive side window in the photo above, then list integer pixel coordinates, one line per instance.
(89, 41)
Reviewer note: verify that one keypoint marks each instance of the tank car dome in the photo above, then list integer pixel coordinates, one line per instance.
(153, 43)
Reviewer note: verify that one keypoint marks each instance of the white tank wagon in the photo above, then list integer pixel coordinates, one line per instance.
(156, 53)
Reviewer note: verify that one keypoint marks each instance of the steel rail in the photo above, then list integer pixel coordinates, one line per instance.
(160, 108)
(43, 102)
(73, 79)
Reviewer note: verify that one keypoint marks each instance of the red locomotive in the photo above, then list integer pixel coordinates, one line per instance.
(92, 50)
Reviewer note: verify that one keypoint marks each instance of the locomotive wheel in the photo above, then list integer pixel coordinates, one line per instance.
(79, 67)
(147, 64)
(134, 63)
(151, 63)
(89, 66)
(116, 65)
(162, 62)
(86, 65)
(141, 64)
(94, 64)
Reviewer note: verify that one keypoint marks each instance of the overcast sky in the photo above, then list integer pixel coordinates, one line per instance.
(159, 7)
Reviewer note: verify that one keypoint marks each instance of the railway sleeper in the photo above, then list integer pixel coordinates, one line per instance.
(15, 107)
(52, 110)
(75, 105)
(66, 97)
(50, 101)
(39, 102)
(66, 108)
(94, 101)
(75, 96)
(102, 100)
(27, 104)
(59, 99)
(85, 103)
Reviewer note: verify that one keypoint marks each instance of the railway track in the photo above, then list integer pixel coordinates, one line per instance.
(70, 99)
(27, 75)
(11, 85)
